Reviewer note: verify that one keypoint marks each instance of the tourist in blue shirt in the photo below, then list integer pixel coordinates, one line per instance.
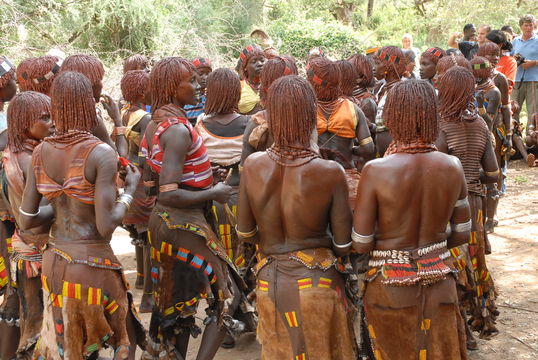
(526, 88)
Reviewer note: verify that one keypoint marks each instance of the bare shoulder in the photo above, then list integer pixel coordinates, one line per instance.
(254, 159)
(103, 153)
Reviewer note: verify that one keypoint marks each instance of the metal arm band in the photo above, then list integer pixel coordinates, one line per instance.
(463, 227)
(249, 234)
(482, 110)
(149, 184)
(168, 187)
(491, 173)
(363, 239)
(462, 202)
(366, 141)
(126, 200)
(342, 246)
(28, 214)
(506, 106)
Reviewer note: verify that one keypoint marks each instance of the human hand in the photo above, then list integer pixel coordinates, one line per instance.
(528, 64)
(112, 109)
(132, 178)
(480, 98)
(457, 35)
(222, 193)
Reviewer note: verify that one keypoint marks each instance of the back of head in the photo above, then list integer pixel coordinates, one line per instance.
(223, 92)
(135, 62)
(411, 112)
(291, 109)
(324, 75)
(449, 61)
(393, 59)
(165, 78)
(38, 73)
(134, 85)
(499, 37)
(7, 71)
(275, 68)
(364, 68)
(456, 91)
(73, 106)
(488, 48)
(25, 109)
(348, 77)
(481, 68)
(87, 65)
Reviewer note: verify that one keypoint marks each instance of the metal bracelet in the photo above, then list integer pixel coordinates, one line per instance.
(463, 227)
(342, 246)
(248, 234)
(462, 202)
(363, 239)
(28, 214)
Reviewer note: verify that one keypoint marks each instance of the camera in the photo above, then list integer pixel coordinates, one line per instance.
(520, 59)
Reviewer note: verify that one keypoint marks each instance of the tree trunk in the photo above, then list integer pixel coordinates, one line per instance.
(370, 8)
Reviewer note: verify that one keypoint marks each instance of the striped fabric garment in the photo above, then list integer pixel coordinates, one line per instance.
(193, 111)
(197, 170)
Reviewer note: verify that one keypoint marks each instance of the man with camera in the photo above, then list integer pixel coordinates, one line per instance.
(525, 51)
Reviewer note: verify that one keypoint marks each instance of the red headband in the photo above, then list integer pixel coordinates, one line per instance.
(435, 52)
(287, 66)
(392, 58)
(201, 62)
(248, 50)
(314, 78)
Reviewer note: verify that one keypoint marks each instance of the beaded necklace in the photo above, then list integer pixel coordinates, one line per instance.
(285, 155)
(414, 147)
(69, 138)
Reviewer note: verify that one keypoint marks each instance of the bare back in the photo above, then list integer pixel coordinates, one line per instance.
(293, 206)
(408, 199)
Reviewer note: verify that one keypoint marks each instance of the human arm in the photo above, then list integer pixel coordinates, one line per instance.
(369, 108)
(175, 143)
(340, 214)
(490, 169)
(460, 221)
(527, 64)
(365, 215)
(113, 111)
(247, 147)
(441, 143)
(30, 204)
(452, 40)
(366, 144)
(246, 222)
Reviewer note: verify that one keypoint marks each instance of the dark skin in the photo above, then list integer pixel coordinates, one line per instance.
(72, 219)
(427, 68)
(6, 94)
(493, 98)
(201, 77)
(252, 73)
(345, 145)
(175, 143)
(247, 147)
(368, 105)
(407, 201)
(283, 224)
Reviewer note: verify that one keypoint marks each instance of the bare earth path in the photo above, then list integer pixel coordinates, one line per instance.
(513, 263)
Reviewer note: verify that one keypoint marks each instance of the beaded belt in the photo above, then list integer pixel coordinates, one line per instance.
(382, 257)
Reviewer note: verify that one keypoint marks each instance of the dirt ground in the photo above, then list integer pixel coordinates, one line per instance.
(513, 263)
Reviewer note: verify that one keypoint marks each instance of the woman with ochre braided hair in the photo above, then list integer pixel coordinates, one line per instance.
(28, 124)
(87, 305)
(9, 307)
(340, 121)
(401, 217)
(303, 307)
(361, 95)
(135, 91)
(390, 64)
(465, 135)
(203, 69)
(257, 134)
(252, 59)
(38, 73)
(428, 63)
(188, 261)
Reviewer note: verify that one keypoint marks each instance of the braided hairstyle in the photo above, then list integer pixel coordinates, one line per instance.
(135, 62)
(87, 65)
(348, 77)
(25, 109)
(449, 61)
(489, 48)
(165, 78)
(134, 85)
(38, 73)
(73, 106)
(433, 54)
(456, 91)
(291, 110)
(411, 112)
(481, 68)
(324, 76)
(364, 68)
(393, 59)
(273, 69)
(223, 92)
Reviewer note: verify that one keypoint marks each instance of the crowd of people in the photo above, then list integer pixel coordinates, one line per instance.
(302, 208)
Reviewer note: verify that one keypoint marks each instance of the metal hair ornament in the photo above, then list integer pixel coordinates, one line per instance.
(247, 50)
(435, 52)
(485, 65)
(314, 78)
(47, 76)
(202, 62)
(5, 67)
(391, 58)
